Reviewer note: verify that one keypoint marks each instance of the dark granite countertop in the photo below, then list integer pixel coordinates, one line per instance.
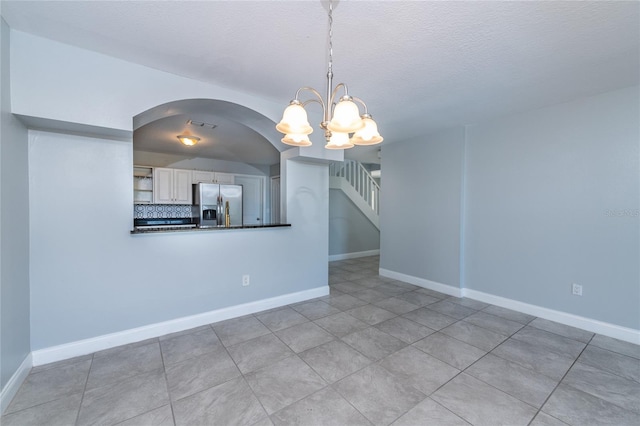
(156, 230)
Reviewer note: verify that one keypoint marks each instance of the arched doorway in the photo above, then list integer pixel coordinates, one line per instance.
(233, 143)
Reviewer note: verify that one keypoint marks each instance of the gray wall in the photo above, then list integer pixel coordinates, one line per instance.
(549, 198)
(552, 199)
(88, 276)
(420, 207)
(349, 230)
(14, 229)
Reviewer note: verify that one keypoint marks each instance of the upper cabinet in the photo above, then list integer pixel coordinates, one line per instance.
(162, 185)
(224, 178)
(172, 186)
(212, 177)
(202, 176)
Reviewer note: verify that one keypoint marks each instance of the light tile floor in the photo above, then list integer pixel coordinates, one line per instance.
(375, 351)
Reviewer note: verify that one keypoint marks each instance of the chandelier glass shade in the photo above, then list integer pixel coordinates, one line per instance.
(368, 135)
(346, 117)
(339, 140)
(343, 124)
(294, 120)
(296, 139)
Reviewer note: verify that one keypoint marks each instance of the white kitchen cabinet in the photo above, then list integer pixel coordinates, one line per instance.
(183, 191)
(224, 178)
(162, 186)
(202, 176)
(171, 186)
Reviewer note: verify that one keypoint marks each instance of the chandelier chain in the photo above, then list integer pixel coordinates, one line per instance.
(330, 36)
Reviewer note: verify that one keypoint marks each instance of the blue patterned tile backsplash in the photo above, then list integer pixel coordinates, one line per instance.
(151, 211)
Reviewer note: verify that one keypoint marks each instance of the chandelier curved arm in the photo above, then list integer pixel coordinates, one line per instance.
(366, 111)
(309, 101)
(312, 90)
(331, 100)
(317, 94)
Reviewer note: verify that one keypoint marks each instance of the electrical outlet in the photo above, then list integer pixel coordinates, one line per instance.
(576, 289)
(245, 280)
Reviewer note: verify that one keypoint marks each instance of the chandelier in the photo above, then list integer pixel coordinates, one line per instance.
(339, 119)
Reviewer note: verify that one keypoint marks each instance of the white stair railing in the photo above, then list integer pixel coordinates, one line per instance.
(360, 179)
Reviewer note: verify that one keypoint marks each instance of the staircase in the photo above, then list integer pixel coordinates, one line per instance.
(356, 182)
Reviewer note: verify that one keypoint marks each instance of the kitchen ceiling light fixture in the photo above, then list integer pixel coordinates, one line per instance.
(340, 119)
(188, 140)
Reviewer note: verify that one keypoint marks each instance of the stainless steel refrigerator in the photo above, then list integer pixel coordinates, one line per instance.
(210, 202)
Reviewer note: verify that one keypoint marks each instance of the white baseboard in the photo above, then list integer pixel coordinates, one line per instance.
(87, 346)
(595, 326)
(592, 325)
(354, 255)
(14, 383)
(421, 282)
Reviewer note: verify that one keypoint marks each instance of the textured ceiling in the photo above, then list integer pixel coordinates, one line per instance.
(419, 65)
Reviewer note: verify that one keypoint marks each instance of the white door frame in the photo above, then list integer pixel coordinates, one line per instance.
(276, 214)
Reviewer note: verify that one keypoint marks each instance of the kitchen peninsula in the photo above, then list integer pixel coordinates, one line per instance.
(179, 200)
